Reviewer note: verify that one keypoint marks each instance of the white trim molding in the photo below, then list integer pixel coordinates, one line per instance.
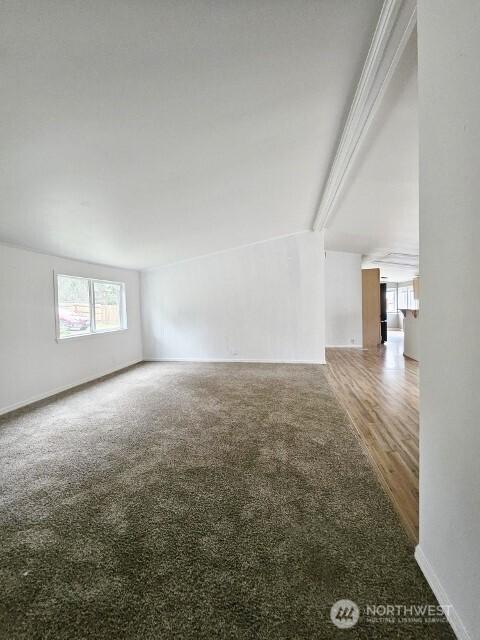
(239, 360)
(395, 25)
(228, 250)
(441, 595)
(343, 346)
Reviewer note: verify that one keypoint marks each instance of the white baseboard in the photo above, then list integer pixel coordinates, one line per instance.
(343, 346)
(240, 360)
(53, 392)
(441, 595)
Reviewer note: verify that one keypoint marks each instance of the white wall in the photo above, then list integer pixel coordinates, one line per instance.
(343, 299)
(32, 363)
(394, 320)
(259, 302)
(411, 328)
(449, 552)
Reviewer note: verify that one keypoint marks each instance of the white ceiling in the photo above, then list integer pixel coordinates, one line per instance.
(141, 133)
(394, 267)
(377, 213)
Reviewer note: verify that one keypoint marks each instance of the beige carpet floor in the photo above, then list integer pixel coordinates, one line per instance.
(197, 501)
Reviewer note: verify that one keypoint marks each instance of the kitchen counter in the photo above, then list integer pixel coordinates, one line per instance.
(411, 331)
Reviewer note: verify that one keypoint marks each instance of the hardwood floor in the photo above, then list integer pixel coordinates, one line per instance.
(378, 388)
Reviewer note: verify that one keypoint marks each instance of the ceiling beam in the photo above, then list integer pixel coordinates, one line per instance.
(395, 25)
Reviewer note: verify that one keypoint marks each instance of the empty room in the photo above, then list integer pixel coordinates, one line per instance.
(238, 363)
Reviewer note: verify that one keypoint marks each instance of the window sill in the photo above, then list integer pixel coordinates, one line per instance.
(89, 335)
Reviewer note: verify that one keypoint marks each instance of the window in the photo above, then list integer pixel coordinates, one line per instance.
(86, 306)
(406, 298)
(412, 303)
(391, 300)
(108, 305)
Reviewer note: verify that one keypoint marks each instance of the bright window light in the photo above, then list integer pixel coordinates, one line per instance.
(86, 305)
(391, 300)
(406, 298)
(108, 305)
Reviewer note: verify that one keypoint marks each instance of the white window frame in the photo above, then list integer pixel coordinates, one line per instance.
(91, 298)
(395, 290)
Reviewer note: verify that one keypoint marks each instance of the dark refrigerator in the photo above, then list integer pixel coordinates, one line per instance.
(383, 311)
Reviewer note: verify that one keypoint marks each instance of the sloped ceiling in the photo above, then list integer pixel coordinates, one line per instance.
(377, 212)
(141, 133)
